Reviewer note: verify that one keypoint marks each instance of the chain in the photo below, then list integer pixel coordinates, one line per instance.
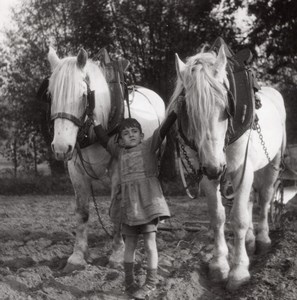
(98, 214)
(259, 131)
(196, 174)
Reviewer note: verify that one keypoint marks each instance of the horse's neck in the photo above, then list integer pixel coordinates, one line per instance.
(102, 107)
(102, 96)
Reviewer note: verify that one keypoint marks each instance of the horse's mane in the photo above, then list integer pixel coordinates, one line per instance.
(202, 91)
(66, 88)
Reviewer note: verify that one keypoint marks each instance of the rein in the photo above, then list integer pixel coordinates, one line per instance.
(197, 175)
(223, 180)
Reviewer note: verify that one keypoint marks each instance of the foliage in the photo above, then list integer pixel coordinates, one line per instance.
(275, 29)
(27, 47)
(274, 37)
(147, 33)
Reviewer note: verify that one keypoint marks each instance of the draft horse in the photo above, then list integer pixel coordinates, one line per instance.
(205, 85)
(71, 81)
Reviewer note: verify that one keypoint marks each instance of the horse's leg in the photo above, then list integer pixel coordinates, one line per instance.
(219, 266)
(116, 258)
(250, 239)
(240, 222)
(266, 190)
(81, 186)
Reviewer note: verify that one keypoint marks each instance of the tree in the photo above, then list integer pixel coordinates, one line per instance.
(148, 33)
(275, 30)
(274, 37)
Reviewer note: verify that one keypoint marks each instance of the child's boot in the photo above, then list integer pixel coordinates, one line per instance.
(149, 285)
(130, 283)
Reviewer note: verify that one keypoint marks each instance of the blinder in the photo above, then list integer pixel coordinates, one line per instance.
(45, 97)
(87, 112)
(182, 122)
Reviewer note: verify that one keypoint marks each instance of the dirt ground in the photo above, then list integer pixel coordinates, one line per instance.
(37, 236)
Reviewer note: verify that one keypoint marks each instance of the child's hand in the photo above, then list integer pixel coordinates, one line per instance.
(180, 102)
(96, 119)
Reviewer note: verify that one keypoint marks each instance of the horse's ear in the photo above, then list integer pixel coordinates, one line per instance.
(221, 61)
(82, 58)
(53, 58)
(180, 66)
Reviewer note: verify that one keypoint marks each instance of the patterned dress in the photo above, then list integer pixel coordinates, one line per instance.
(141, 199)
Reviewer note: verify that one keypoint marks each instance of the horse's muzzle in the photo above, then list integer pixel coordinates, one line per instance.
(214, 173)
(63, 155)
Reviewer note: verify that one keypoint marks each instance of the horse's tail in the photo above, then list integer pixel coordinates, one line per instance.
(284, 116)
(284, 142)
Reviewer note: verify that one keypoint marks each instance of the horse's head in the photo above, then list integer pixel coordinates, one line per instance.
(204, 81)
(70, 89)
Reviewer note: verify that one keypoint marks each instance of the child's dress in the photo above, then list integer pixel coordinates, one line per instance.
(141, 194)
(139, 198)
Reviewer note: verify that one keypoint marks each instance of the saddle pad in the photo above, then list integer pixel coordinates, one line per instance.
(241, 86)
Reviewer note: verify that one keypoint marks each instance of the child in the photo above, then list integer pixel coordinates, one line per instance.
(142, 202)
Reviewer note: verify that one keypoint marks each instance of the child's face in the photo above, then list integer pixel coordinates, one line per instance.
(131, 137)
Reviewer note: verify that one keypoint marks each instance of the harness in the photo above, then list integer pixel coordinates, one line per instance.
(88, 111)
(241, 101)
(114, 72)
(183, 120)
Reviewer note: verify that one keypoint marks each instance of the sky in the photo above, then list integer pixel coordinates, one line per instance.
(4, 11)
(241, 18)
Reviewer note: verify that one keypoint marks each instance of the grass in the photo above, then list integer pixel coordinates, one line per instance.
(36, 185)
(61, 185)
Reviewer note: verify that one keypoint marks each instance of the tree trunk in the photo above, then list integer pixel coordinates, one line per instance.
(35, 156)
(15, 159)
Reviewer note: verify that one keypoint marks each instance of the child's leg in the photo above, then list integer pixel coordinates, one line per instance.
(129, 258)
(150, 245)
(130, 247)
(152, 264)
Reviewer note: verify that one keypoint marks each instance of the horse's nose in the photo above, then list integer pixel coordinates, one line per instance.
(62, 155)
(214, 173)
(69, 151)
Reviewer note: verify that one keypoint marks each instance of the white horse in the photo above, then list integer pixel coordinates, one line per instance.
(203, 79)
(70, 79)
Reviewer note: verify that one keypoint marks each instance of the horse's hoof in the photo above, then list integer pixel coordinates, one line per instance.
(69, 268)
(219, 272)
(262, 247)
(238, 279)
(217, 276)
(233, 285)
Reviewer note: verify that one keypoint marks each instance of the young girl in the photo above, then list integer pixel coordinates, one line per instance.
(142, 202)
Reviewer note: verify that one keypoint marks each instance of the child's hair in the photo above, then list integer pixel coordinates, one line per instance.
(129, 123)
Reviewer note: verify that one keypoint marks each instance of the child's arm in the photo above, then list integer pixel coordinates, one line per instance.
(101, 134)
(159, 134)
(165, 126)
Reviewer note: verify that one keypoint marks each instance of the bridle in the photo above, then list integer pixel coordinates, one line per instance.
(197, 175)
(84, 120)
(88, 111)
(230, 111)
